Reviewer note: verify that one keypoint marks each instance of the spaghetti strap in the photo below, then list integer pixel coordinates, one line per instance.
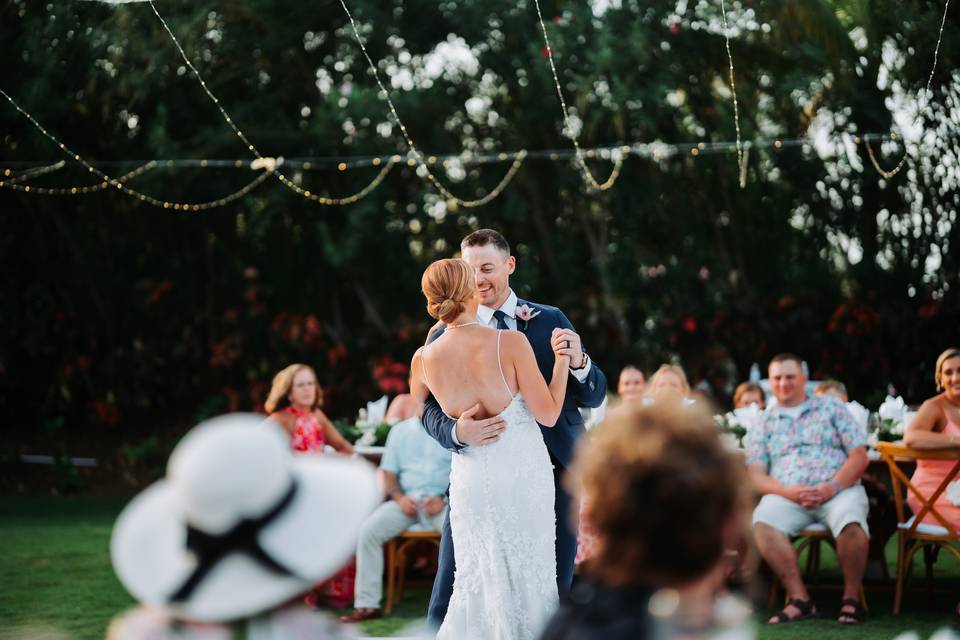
(423, 363)
(500, 366)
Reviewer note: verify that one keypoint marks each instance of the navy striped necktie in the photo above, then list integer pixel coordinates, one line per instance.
(501, 319)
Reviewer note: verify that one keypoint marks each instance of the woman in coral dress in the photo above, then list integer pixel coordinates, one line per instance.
(294, 402)
(937, 426)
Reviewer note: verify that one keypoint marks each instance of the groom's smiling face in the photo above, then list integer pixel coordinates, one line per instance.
(491, 268)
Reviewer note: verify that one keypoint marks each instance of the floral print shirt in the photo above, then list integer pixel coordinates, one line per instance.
(808, 449)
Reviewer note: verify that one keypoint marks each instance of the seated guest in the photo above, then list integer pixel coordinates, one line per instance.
(833, 388)
(416, 471)
(294, 403)
(239, 528)
(668, 498)
(631, 384)
(749, 393)
(806, 457)
(670, 380)
(937, 426)
(402, 407)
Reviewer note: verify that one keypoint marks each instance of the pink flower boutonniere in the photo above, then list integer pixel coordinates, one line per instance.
(526, 313)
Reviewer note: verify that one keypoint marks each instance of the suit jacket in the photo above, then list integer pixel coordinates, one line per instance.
(561, 439)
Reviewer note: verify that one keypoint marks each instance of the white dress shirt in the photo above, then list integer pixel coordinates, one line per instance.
(509, 308)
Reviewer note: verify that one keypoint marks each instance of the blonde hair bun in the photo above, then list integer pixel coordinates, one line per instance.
(447, 285)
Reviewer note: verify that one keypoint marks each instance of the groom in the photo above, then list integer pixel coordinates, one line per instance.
(488, 254)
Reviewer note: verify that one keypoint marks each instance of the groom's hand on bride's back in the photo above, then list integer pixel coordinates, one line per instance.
(472, 432)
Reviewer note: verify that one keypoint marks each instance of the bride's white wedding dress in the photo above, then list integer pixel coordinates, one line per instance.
(504, 533)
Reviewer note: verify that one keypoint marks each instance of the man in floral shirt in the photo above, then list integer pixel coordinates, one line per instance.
(806, 457)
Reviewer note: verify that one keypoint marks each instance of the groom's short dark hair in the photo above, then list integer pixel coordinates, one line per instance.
(483, 237)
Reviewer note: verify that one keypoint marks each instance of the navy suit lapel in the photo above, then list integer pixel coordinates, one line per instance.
(534, 330)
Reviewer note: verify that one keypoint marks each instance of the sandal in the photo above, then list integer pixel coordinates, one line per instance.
(362, 615)
(805, 607)
(851, 617)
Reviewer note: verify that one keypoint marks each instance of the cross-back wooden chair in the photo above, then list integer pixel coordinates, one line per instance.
(913, 534)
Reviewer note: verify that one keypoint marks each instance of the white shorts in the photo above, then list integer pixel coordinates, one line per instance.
(847, 507)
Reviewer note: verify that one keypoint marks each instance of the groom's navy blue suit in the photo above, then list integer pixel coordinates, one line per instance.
(561, 441)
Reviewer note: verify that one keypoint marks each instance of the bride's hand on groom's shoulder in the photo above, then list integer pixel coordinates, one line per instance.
(472, 432)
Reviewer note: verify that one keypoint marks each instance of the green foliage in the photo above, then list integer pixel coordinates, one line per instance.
(56, 574)
(124, 318)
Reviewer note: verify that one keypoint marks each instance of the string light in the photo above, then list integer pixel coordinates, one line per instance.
(416, 156)
(741, 158)
(584, 169)
(76, 190)
(656, 151)
(34, 172)
(888, 174)
(413, 161)
(113, 182)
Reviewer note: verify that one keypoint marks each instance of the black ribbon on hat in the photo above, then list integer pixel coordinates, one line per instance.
(244, 537)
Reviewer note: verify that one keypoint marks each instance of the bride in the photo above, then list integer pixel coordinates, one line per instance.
(502, 494)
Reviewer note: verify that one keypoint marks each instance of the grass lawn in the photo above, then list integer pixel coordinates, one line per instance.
(55, 574)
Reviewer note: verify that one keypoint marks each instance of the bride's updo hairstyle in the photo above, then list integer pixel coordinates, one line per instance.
(447, 285)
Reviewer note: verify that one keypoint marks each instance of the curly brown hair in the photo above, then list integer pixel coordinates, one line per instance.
(661, 490)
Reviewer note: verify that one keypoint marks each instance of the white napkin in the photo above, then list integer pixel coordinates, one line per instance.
(748, 416)
(953, 493)
(376, 411)
(859, 412)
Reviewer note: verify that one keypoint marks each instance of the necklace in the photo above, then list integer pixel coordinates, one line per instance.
(465, 324)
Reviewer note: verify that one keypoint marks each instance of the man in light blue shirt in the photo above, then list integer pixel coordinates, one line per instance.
(416, 473)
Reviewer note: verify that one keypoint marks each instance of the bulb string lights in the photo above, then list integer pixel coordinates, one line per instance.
(571, 131)
(925, 98)
(33, 172)
(79, 189)
(741, 157)
(416, 158)
(109, 181)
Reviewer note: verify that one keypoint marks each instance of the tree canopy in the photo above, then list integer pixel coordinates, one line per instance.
(121, 318)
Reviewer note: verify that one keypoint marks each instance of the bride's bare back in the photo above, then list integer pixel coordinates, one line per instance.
(461, 369)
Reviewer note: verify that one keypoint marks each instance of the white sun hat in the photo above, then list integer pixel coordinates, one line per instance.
(240, 524)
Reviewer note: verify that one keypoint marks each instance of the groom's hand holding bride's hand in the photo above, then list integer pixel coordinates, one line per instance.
(567, 343)
(472, 432)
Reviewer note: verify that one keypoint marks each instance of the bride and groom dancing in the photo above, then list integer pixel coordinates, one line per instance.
(509, 540)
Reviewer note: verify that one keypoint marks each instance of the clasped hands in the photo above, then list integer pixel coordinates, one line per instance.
(810, 497)
(566, 342)
(431, 506)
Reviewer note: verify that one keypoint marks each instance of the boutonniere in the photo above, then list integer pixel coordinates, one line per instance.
(526, 313)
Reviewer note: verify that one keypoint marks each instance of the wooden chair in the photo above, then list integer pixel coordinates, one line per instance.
(810, 538)
(912, 534)
(397, 549)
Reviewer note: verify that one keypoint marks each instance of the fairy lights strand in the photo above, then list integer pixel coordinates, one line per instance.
(888, 174)
(76, 190)
(34, 172)
(741, 158)
(655, 151)
(113, 182)
(417, 157)
(584, 169)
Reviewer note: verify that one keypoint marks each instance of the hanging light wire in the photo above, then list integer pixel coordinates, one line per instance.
(924, 98)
